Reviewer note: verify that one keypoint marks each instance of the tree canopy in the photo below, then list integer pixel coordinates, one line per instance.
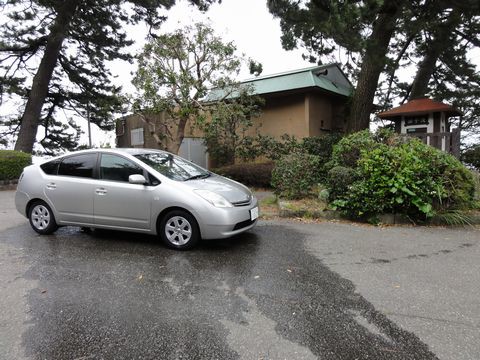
(54, 58)
(374, 38)
(176, 72)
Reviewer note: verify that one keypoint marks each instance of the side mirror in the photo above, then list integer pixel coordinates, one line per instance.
(137, 179)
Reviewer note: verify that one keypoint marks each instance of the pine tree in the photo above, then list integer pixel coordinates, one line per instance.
(362, 30)
(65, 46)
(376, 37)
(439, 51)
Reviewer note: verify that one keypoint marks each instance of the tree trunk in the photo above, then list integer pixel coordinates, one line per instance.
(425, 70)
(434, 49)
(373, 64)
(174, 146)
(36, 98)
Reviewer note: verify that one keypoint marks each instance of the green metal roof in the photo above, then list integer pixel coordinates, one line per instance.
(327, 77)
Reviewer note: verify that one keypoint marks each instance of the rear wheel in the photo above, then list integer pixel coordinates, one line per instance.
(41, 218)
(179, 230)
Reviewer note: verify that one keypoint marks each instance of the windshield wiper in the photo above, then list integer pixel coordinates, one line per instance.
(199, 176)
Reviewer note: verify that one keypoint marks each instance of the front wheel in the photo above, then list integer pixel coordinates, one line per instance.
(41, 218)
(179, 230)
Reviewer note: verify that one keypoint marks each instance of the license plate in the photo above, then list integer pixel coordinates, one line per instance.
(254, 213)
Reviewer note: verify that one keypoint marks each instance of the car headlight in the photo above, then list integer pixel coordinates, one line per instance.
(214, 198)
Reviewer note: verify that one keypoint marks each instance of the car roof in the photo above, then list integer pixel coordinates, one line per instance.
(130, 151)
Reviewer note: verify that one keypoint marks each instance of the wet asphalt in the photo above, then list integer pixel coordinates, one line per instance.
(285, 290)
(114, 295)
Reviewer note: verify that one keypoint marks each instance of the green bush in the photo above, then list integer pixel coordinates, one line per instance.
(295, 174)
(321, 146)
(406, 177)
(251, 174)
(348, 150)
(471, 157)
(274, 149)
(339, 178)
(12, 164)
(476, 180)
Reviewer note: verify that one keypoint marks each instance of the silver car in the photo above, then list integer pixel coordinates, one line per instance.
(139, 190)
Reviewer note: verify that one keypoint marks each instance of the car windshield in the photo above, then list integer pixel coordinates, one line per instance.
(173, 167)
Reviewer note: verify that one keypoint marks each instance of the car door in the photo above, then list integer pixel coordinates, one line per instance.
(70, 191)
(117, 203)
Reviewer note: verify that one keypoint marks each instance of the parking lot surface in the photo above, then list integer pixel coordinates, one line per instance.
(286, 290)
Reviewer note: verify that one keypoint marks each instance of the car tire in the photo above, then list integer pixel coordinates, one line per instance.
(179, 230)
(41, 218)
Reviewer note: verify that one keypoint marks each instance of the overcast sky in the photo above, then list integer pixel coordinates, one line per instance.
(245, 22)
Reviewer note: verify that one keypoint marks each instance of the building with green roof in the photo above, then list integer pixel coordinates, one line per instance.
(301, 103)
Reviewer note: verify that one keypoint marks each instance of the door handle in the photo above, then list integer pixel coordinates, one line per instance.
(101, 191)
(51, 186)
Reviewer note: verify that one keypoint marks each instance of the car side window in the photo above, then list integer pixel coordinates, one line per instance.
(51, 167)
(117, 168)
(78, 165)
(153, 180)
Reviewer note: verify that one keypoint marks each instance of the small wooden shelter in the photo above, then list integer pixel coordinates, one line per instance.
(429, 121)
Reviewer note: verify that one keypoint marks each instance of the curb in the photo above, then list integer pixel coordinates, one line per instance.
(8, 185)
(385, 219)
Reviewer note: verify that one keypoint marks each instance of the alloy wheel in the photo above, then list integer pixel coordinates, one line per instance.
(178, 230)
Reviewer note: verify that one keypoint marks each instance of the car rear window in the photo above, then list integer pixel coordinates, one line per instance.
(51, 167)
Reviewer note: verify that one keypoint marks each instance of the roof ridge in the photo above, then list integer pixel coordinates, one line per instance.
(291, 72)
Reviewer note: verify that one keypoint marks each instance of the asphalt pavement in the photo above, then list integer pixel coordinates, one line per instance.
(285, 290)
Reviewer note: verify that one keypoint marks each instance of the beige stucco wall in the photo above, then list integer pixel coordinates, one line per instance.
(319, 109)
(299, 115)
(302, 115)
(283, 115)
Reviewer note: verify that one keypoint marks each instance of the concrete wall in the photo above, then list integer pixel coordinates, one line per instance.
(131, 122)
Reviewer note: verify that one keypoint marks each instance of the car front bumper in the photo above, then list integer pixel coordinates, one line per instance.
(226, 222)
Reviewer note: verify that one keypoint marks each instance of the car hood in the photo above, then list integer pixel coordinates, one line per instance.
(230, 190)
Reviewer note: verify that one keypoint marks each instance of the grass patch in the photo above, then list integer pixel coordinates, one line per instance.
(269, 207)
(269, 201)
(308, 208)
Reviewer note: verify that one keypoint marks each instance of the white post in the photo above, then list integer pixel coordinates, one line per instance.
(89, 127)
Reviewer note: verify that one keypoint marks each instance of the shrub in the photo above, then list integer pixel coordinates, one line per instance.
(339, 178)
(274, 149)
(476, 180)
(321, 146)
(471, 157)
(251, 174)
(295, 174)
(348, 150)
(409, 177)
(12, 164)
